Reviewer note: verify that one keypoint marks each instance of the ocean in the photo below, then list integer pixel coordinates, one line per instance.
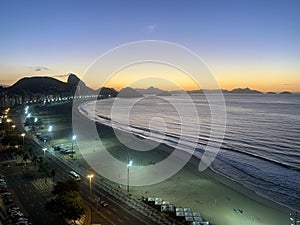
(261, 146)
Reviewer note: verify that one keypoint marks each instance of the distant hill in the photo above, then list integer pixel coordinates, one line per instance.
(285, 93)
(149, 91)
(164, 93)
(39, 85)
(129, 93)
(49, 85)
(157, 91)
(195, 92)
(107, 92)
(271, 93)
(245, 91)
(234, 91)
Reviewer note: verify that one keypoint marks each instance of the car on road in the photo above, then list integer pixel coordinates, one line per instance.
(103, 203)
(74, 176)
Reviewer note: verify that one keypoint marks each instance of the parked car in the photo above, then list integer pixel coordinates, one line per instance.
(3, 189)
(69, 151)
(5, 194)
(13, 208)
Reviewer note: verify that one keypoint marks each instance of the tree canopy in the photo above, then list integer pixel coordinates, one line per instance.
(68, 202)
(69, 185)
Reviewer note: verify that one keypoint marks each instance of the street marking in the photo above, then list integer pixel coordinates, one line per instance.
(115, 209)
(108, 220)
(126, 217)
(109, 212)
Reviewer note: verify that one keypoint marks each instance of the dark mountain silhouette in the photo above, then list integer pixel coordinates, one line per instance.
(149, 91)
(74, 80)
(76, 84)
(271, 93)
(50, 85)
(129, 93)
(107, 92)
(39, 85)
(285, 93)
(157, 91)
(245, 91)
(234, 91)
(195, 92)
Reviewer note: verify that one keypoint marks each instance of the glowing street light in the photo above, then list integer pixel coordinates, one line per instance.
(73, 139)
(44, 149)
(13, 128)
(50, 128)
(35, 119)
(90, 176)
(128, 166)
(23, 135)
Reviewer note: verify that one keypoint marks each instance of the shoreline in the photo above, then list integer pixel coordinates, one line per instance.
(219, 177)
(217, 181)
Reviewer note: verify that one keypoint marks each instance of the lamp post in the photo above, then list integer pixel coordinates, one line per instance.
(50, 128)
(13, 128)
(23, 135)
(128, 166)
(90, 176)
(8, 122)
(44, 149)
(73, 139)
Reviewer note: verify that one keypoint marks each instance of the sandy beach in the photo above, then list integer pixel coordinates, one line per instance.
(219, 200)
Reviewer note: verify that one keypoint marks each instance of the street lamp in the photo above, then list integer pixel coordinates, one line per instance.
(73, 139)
(90, 176)
(23, 135)
(44, 149)
(50, 128)
(13, 127)
(128, 166)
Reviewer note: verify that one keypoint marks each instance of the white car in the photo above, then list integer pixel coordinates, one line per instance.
(74, 176)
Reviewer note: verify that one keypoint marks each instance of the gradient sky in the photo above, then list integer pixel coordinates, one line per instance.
(245, 43)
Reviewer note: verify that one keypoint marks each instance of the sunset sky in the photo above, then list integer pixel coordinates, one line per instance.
(245, 43)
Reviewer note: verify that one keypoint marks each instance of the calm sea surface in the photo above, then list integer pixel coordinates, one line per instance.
(261, 147)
